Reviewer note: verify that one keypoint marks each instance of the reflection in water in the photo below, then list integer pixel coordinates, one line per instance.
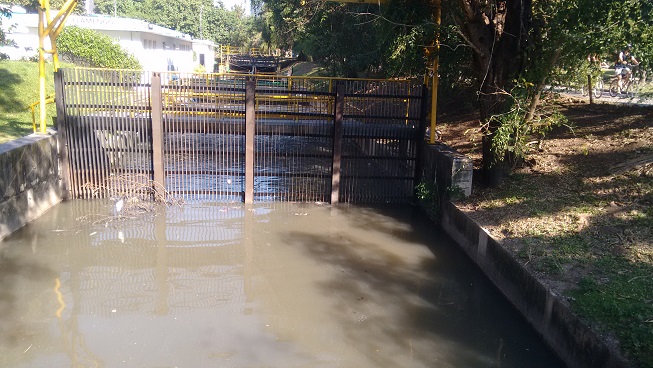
(275, 285)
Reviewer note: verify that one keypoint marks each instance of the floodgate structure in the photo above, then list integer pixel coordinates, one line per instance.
(321, 284)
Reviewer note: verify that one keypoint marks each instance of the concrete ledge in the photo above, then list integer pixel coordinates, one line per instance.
(30, 182)
(447, 168)
(566, 334)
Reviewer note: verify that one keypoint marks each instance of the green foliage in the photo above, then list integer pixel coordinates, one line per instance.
(620, 302)
(4, 12)
(353, 39)
(564, 33)
(517, 130)
(198, 18)
(33, 5)
(429, 198)
(85, 46)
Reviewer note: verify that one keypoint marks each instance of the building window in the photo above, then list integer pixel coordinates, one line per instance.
(202, 59)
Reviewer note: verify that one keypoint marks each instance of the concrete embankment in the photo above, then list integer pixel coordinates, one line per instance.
(30, 180)
(571, 339)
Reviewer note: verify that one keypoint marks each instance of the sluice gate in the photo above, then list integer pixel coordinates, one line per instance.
(230, 137)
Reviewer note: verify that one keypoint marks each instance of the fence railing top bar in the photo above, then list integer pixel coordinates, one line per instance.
(106, 70)
(246, 75)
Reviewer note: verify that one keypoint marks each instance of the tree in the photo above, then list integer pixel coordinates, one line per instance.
(521, 46)
(497, 32)
(4, 13)
(32, 5)
(517, 47)
(86, 46)
(198, 18)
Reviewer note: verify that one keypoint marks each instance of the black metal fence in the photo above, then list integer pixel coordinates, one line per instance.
(233, 137)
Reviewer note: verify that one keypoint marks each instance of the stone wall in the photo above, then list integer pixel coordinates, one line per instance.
(30, 180)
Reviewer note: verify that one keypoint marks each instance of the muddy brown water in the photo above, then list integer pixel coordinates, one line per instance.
(269, 285)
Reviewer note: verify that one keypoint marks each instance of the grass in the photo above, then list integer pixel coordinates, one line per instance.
(620, 301)
(582, 223)
(19, 87)
(611, 255)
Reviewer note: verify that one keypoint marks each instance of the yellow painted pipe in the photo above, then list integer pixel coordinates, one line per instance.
(436, 61)
(49, 28)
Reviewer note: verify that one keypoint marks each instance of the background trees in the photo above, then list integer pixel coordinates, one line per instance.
(4, 12)
(87, 47)
(496, 54)
(504, 52)
(199, 18)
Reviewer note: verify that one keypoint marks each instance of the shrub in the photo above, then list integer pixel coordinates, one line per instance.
(87, 47)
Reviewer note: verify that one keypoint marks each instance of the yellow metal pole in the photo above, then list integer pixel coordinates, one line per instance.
(49, 28)
(41, 73)
(436, 61)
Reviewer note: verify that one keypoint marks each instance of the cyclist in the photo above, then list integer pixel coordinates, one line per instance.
(623, 65)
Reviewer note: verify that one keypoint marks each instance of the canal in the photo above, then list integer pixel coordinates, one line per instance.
(269, 285)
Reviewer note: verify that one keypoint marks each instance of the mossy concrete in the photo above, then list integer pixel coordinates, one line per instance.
(30, 180)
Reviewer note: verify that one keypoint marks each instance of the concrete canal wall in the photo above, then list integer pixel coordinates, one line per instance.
(565, 333)
(30, 180)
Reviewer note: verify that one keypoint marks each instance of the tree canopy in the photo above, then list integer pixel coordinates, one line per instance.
(506, 51)
(199, 18)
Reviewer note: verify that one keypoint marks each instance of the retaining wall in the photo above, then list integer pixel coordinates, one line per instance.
(566, 334)
(30, 180)
(447, 168)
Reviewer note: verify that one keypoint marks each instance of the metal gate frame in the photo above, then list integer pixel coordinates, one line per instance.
(71, 129)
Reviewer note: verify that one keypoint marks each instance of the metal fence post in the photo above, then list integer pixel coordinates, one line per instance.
(589, 88)
(250, 121)
(156, 103)
(421, 133)
(337, 143)
(62, 135)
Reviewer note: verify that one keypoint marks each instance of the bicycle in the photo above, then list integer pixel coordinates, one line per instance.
(628, 84)
(597, 89)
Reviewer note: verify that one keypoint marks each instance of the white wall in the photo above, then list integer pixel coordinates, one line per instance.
(156, 48)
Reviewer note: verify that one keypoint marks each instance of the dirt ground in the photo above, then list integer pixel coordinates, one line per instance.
(581, 208)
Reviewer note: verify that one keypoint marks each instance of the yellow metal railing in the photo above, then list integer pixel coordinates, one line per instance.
(49, 28)
(48, 100)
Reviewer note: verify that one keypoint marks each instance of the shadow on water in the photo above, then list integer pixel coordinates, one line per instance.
(257, 286)
(14, 271)
(440, 309)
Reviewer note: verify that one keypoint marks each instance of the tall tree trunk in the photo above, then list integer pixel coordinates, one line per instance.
(496, 30)
(535, 101)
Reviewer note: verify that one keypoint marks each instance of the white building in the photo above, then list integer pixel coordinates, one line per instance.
(156, 48)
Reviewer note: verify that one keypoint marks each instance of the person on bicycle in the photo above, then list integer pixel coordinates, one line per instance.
(624, 64)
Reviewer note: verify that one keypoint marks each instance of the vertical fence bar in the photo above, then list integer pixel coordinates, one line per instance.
(157, 131)
(62, 136)
(589, 88)
(421, 133)
(337, 143)
(250, 122)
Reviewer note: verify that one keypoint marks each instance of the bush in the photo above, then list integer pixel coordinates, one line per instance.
(87, 47)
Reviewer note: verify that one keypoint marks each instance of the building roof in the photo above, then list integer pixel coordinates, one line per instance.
(105, 23)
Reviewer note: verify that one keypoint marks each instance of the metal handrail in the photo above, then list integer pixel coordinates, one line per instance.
(48, 100)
